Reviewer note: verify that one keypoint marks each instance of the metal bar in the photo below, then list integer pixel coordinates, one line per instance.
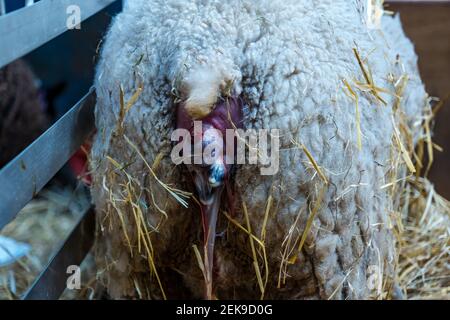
(2, 7)
(52, 282)
(30, 171)
(28, 28)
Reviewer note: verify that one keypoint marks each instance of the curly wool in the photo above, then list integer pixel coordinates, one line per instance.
(287, 60)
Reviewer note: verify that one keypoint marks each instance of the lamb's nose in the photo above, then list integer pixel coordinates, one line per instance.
(216, 174)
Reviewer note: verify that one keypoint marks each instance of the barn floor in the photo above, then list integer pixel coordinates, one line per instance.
(44, 224)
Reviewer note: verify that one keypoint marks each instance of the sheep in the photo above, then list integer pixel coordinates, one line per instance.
(341, 93)
(22, 114)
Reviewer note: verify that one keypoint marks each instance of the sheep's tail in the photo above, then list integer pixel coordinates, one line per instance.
(202, 88)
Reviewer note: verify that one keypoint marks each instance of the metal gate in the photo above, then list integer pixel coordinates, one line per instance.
(21, 32)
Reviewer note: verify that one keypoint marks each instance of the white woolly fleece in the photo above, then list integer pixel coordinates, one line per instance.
(201, 88)
(287, 60)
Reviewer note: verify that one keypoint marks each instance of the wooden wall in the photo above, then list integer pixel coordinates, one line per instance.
(427, 23)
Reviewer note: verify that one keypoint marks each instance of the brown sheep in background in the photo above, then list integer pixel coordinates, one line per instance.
(22, 118)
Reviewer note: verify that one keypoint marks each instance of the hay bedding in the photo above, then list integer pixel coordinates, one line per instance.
(424, 243)
(43, 224)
